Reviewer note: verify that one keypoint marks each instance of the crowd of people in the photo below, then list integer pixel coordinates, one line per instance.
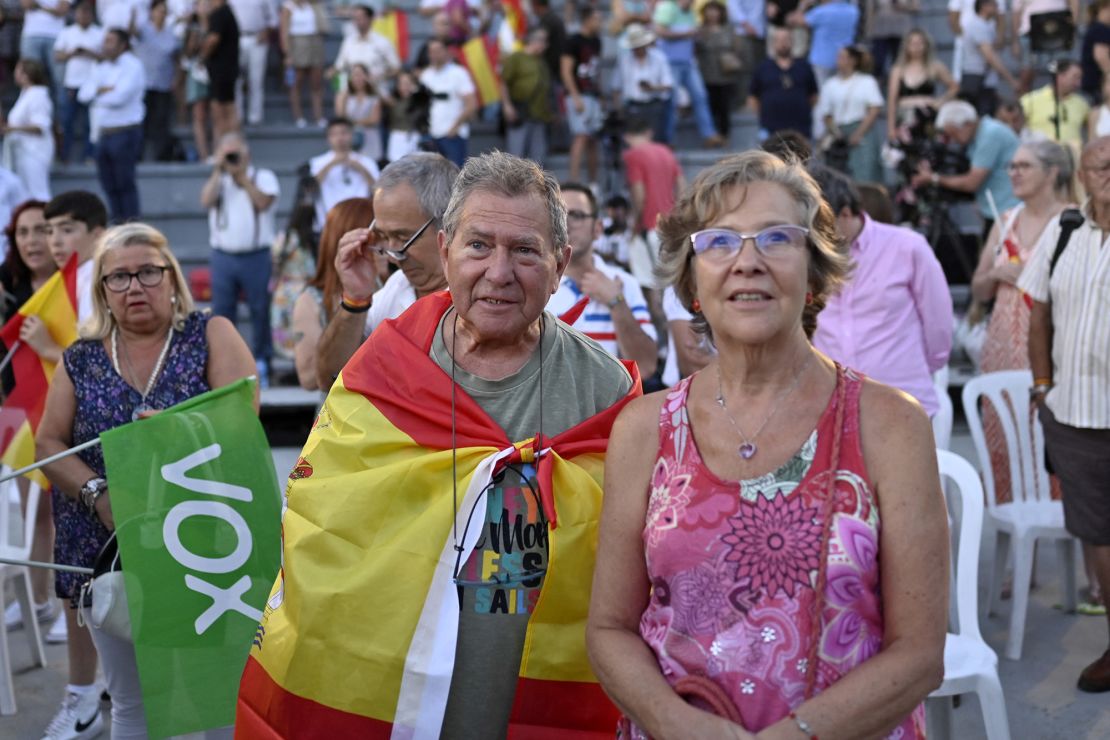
(778, 367)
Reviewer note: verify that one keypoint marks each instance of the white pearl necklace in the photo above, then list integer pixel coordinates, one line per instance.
(153, 373)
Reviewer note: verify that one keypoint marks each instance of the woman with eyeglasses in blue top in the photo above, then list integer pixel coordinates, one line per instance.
(773, 545)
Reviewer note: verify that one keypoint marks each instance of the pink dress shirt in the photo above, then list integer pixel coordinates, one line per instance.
(893, 320)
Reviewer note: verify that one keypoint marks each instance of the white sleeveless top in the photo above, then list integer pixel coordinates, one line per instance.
(1102, 126)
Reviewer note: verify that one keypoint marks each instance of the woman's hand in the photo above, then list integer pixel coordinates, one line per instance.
(855, 139)
(103, 509)
(1007, 272)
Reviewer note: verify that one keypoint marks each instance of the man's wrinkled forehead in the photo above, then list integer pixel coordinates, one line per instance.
(1096, 155)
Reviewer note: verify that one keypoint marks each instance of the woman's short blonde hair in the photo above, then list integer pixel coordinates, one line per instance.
(101, 323)
(706, 199)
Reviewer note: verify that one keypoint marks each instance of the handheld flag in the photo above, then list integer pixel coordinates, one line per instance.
(394, 25)
(197, 509)
(479, 56)
(55, 304)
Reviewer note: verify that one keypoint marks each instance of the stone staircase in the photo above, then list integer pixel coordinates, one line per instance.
(170, 191)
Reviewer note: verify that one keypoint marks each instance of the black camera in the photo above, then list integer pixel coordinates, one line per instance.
(232, 158)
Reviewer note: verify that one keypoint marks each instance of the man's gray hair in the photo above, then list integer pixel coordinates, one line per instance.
(504, 174)
(956, 113)
(430, 175)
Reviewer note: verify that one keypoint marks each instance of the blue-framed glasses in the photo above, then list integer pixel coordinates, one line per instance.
(721, 245)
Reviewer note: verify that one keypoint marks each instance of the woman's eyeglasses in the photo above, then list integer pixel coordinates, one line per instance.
(720, 245)
(1021, 166)
(149, 276)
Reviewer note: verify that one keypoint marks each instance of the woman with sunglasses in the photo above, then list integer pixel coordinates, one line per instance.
(144, 349)
(771, 556)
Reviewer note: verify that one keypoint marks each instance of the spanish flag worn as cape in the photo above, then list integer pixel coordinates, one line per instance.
(55, 303)
(358, 636)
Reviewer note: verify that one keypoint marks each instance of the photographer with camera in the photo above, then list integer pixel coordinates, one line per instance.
(242, 202)
(990, 147)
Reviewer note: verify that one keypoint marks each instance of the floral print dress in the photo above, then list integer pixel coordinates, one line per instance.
(739, 570)
(105, 401)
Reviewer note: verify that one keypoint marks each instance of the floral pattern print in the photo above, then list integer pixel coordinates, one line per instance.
(105, 401)
(734, 567)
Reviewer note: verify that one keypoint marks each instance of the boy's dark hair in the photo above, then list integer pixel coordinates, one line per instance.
(617, 201)
(340, 121)
(80, 205)
(837, 190)
(638, 125)
(790, 146)
(577, 187)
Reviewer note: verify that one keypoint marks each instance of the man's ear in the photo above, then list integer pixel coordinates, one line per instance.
(562, 259)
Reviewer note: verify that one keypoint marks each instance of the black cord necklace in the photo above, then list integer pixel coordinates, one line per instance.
(458, 546)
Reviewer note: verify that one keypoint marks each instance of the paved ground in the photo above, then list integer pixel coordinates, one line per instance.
(1041, 699)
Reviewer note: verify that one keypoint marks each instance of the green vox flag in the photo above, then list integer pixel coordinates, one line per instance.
(198, 516)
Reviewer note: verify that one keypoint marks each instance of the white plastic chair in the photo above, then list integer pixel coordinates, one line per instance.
(970, 666)
(22, 575)
(942, 419)
(1032, 514)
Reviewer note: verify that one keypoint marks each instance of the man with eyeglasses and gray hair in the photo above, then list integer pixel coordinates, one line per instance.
(409, 201)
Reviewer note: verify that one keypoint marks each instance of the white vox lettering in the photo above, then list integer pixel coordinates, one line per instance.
(190, 560)
(223, 600)
(175, 473)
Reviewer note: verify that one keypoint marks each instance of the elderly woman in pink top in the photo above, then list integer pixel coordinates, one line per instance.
(893, 318)
(772, 559)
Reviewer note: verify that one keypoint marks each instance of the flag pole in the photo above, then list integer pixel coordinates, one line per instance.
(48, 460)
(51, 566)
(8, 357)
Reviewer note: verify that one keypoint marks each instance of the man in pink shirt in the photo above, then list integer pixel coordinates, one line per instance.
(654, 174)
(893, 320)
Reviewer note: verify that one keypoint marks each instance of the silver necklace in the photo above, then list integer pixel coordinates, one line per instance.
(134, 376)
(748, 449)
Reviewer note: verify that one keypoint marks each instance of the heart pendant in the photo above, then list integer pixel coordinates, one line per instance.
(747, 450)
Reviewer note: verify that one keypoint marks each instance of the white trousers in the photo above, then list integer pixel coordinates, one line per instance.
(252, 69)
(121, 672)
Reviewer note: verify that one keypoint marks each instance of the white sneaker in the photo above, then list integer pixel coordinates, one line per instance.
(13, 615)
(301, 123)
(78, 718)
(59, 632)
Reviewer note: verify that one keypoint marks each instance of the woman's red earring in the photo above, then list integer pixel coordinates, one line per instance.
(696, 305)
(809, 299)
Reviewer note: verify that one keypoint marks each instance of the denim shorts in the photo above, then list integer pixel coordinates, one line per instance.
(589, 121)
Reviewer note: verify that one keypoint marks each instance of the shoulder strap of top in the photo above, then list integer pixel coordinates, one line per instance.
(674, 406)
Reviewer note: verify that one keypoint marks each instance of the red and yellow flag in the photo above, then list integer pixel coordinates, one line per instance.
(479, 56)
(358, 636)
(517, 18)
(394, 25)
(55, 303)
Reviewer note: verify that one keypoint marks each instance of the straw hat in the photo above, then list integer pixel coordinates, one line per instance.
(636, 36)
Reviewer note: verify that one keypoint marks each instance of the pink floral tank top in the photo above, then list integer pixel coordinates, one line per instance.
(740, 569)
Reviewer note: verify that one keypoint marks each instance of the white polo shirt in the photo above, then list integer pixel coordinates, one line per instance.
(390, 301)
(340, 183)
(233, 224)
(596, 322)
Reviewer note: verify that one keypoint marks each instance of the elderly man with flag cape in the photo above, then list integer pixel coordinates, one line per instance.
(441, 524)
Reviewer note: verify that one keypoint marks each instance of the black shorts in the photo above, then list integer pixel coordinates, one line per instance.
(221, 85)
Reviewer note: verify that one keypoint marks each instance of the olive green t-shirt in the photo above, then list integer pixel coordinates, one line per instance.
(500, 582)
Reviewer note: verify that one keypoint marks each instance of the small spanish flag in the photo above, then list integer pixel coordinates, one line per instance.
(479, 56)
(517, 18)
(56, 304)
(394, 25)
